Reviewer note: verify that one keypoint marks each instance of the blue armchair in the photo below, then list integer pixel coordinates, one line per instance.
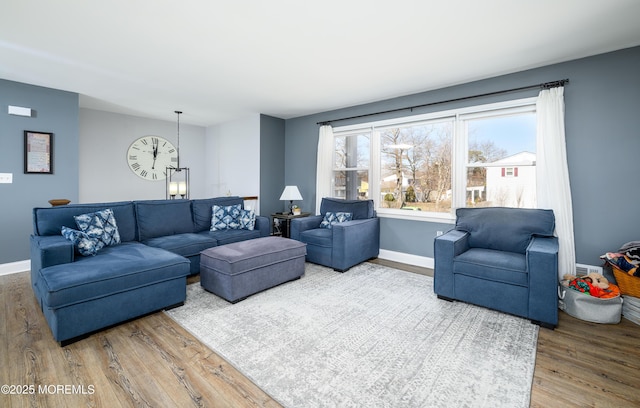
(347, 243)
(501, 258)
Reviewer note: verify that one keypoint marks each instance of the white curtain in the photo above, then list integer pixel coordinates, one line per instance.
(325, 159)
(554, 190)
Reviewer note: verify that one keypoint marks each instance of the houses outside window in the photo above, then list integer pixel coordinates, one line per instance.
(425, 166)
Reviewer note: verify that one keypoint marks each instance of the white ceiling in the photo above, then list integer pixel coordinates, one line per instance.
(221, 60)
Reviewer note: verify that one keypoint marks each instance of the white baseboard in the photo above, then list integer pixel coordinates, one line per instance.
(15, 267)
(409, 259)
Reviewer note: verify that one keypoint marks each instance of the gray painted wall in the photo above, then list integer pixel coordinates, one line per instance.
(602, 117)
(54, 111)
(271, 164)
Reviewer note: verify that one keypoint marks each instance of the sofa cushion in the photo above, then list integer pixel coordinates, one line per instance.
(100, 225)
(229, 236)
(116, 269)
(158, 218)
(504, 229)
(361, 209)
(50, 220)
(183, 244)
(202, 210)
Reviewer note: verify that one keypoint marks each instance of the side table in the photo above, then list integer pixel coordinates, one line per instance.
(281, 223)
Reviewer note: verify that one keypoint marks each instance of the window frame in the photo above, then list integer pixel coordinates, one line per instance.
(459, 144)
(334, 167)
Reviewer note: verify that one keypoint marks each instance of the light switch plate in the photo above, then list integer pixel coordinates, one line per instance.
(19, 111)
(6, 178)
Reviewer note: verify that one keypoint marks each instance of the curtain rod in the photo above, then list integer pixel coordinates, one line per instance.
(545, 85)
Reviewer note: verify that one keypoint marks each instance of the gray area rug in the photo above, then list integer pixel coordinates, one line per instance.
(370, 337)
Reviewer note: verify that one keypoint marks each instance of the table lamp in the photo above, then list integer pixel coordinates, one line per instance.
(291, 193)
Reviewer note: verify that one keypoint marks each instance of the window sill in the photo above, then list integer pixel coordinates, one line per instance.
(443, 218)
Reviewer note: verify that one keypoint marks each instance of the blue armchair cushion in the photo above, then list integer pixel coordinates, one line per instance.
(100, 225)
(360, 209)
(83, 243)
(322, 237)
(499, 266)
(332, 218)
(504, 229)
(159, 218)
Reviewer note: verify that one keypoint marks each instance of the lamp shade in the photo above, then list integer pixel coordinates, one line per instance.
(291, 193)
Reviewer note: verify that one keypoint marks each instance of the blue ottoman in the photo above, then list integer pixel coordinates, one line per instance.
(241, 269)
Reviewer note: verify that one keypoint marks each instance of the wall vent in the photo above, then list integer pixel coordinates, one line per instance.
(582, 269)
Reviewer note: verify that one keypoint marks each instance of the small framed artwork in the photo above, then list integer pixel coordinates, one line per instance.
(38, 152)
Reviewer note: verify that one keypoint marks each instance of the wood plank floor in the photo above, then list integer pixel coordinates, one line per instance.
(153, 362)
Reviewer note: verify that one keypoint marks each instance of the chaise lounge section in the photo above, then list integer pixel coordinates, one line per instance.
(159, 246)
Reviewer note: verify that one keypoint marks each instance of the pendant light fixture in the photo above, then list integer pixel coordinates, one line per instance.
(177, 177)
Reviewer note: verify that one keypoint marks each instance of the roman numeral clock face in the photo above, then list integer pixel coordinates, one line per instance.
(149, 157)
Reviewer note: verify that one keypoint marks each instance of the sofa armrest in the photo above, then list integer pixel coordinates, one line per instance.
(47, 251)
(299, 225)
(263, 225)
(542, 265)
(50, 250)
(354, 242)
(446, 247)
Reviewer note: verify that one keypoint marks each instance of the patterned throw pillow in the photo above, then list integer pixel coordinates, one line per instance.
(101, 225)
(225, 217)
(86, 245)
(247, 219)
(333, 218)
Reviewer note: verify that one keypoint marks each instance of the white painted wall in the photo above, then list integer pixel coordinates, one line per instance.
(233, 158)
(103, 143)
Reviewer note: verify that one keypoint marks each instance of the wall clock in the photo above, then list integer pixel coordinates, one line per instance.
(149, 157)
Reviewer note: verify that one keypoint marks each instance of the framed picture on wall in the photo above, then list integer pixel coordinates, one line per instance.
(38, 152)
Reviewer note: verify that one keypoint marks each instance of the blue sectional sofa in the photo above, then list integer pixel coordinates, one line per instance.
(160, 245)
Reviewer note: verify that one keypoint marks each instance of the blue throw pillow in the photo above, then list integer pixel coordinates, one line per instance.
(85, 244)
(100, 225)
(333, 218)
(225, 217)
(247, 219)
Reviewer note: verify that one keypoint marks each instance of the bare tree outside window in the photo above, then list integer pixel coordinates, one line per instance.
(416, 164)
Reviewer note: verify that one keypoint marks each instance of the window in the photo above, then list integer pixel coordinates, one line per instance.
(425, 166)
(501, 159)
(415, 166)
(351, 165)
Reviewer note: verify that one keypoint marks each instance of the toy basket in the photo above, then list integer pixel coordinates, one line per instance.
(589, 308)
(629, 285)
